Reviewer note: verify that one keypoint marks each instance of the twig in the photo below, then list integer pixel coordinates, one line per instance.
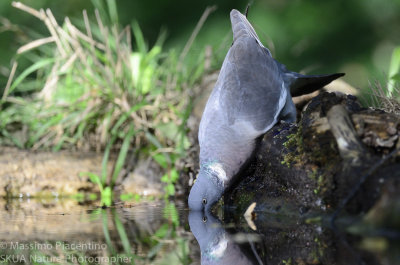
(247, 10)
(196, 30)
(10, 78)
(33, 44)
(49, 20)
(350, 148)
(28, 9)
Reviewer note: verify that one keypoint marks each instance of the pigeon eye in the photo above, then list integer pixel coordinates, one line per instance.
(205, 219)
(204, 201)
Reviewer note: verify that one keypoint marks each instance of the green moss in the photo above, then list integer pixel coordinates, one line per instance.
(314, 220)
(313, 174)
(294, 146)
(290, 140)
(319, 180)
(244, 200)
(287, 262)
(318, 252)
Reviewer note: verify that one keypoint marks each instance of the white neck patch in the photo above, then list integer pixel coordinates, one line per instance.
(218, 170)
(219, 250)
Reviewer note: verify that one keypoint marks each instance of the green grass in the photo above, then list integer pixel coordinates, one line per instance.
(90, 87)
(386, 96)
(394, 75)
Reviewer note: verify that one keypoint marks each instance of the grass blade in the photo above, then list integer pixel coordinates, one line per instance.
(122, 234)
(13, 139)
(105, 159)
(44, 129)
(36, 66)
(122, 154)
(99, 5)
(106, 232)
(393, 70)
(137, 33)
(112, 11)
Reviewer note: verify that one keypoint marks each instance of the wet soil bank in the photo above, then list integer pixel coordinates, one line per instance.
(25, 173)
(315, 164)
(45, 174)
(301, 174)
(338, 151)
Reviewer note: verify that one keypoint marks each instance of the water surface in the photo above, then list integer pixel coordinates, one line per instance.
(66, 232)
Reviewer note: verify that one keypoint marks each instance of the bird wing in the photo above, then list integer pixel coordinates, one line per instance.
(251, 86)
(249, 93)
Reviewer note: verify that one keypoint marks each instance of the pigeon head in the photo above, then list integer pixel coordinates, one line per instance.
(207, 190)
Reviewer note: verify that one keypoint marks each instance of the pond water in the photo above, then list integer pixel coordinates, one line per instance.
(66, 232)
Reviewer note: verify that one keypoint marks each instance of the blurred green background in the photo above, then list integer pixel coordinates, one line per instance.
(90, 90)
(356, 37)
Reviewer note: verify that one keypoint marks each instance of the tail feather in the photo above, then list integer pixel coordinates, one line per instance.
(241, 26)
(305, 84)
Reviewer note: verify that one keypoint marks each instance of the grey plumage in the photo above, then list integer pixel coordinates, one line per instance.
(251, 95)
(217, 246)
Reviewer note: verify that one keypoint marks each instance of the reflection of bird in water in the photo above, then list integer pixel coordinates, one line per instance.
(216, 245)
(251, 95)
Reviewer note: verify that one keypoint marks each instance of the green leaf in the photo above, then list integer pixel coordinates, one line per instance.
(394, 70)
(161, 159)
(34, 67)
(126, 196)
(43, 128)
(396, 77)
(137, 33)
(106, 232)
(122, 154)
(112, 11)
(151, 56)
(153, 140)
(122, 235)
(162, 231)
(93, 177)
(105, 159)
(155, 250)
(395, 62)
(12, 138)
(92, 196)
(174, 175)
(165, 178)
(169, 130)
(137, 197)
(125, 116)
(106, 196)
(171, 213)
(135, 60)
(59, 144)
(170, 189)
(99, 5)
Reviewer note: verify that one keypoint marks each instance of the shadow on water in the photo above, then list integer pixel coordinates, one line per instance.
(66, 232)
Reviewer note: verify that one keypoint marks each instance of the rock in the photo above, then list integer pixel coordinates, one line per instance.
(309, 168)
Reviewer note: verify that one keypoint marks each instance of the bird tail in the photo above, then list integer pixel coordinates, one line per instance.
(241, 26)
(304, 84)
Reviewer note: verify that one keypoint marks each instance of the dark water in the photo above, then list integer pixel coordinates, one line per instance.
(65, 232)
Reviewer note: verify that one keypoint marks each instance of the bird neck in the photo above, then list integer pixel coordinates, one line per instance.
(214, 171)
